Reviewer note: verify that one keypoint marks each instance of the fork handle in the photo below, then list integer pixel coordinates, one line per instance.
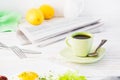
(30, 51)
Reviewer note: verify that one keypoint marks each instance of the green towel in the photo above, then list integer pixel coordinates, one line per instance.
(9, 21)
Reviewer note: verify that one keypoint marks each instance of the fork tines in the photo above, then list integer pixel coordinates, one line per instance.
(18, 52)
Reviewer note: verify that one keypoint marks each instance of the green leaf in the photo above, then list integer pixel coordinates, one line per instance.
(71, 76)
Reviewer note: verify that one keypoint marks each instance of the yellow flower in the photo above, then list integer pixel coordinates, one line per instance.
(28, 76)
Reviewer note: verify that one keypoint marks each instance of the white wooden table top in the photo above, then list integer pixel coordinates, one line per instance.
(108, 66)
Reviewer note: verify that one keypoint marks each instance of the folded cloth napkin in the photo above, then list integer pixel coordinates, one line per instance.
(51, 32)
(9, 21)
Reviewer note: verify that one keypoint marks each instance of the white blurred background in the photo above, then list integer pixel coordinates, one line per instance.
(108, 10)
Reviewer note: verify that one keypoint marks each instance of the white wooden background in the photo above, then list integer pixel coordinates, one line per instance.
(94, 7)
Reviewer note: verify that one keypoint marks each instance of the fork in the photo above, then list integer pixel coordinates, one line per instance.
(18, 52)
(24, 50)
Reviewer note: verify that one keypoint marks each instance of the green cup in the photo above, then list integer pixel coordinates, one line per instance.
(80, 43)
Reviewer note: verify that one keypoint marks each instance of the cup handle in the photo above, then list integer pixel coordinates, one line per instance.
(67, 43)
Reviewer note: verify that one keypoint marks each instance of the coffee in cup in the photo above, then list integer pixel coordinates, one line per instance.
(81, 37)
(80, 43)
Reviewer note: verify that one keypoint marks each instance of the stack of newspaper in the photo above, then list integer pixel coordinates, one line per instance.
(57, 29)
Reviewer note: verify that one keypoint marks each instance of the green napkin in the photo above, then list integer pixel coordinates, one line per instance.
(9, 21)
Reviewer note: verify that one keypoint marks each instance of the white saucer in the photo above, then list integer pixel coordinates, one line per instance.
(69, 56)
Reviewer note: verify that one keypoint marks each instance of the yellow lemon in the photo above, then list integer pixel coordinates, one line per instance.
(34, 16)
(48, 11)
(28, 76)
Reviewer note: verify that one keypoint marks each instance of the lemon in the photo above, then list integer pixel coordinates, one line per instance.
(34, 16)
(48, 11)
(28, 76)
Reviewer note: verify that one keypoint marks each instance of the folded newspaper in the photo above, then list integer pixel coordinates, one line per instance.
(57, 29)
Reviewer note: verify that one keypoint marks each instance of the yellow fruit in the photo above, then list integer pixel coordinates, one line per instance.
(34, 16)
(28, 76)
(48, 11)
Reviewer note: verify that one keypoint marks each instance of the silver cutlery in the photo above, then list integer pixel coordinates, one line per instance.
(24, 50)
(18, 52)
(112, 78)
(15, 49)
(95, 53)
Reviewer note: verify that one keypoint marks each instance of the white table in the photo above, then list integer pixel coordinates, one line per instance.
(108, 66)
